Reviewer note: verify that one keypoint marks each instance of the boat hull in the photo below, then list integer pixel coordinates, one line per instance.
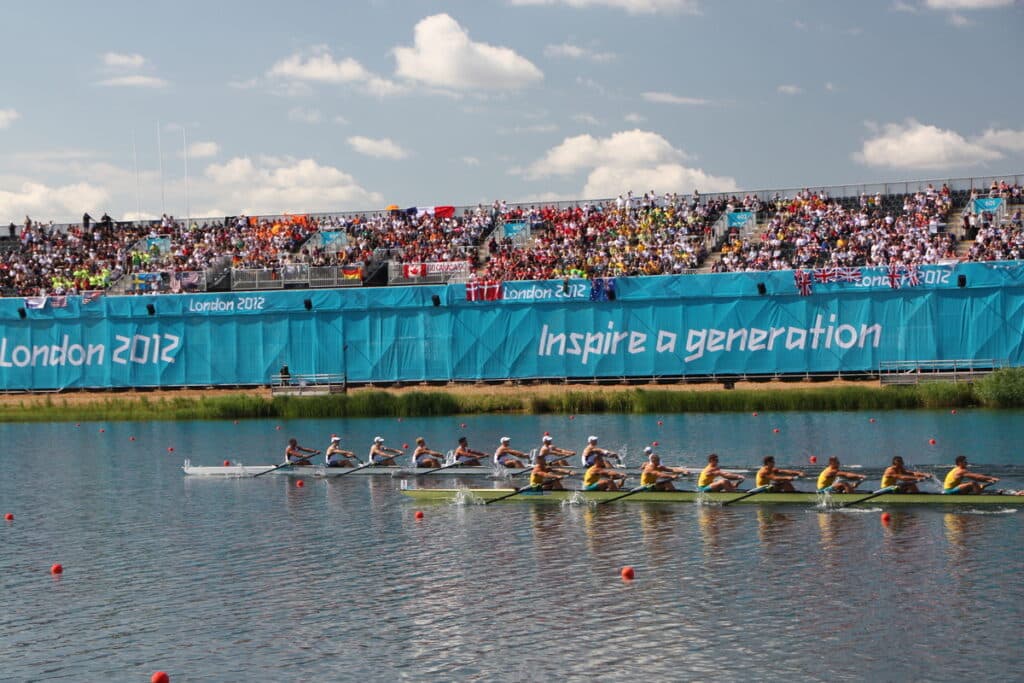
(327, 472)
(831, 500)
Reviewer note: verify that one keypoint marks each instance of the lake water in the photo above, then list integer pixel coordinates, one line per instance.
(260, 580)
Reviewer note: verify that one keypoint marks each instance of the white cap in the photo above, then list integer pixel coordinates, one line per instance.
(505, 439)
(546, 439)
(335, 437)
(591, 438)
(648, 450)
(378, 439)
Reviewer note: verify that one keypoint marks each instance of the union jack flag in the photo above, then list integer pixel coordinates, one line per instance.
(59, 301)
(895, 275)
(848, 274)
(89, 297)
(803, 281)
(913, 276)
(826, 274)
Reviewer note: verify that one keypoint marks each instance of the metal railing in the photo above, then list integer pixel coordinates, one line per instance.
(956, 370)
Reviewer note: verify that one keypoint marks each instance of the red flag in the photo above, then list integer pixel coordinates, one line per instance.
(472, 290)
(444, 211)
(413, 270)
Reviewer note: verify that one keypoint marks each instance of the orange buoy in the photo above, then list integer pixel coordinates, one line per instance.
(931, 442)
(9, 516)
(56, 568)
(628, 574)
(419, 514)
(886, 518)
(159, 677)
(813, 459)
(299, 484)
(227, 463)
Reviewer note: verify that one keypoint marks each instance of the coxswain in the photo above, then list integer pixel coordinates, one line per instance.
(544, 476)
(551, 452)
(600, 477)
(898, 476)
(954, 482)
(381, 454)
(827, 479)
(657, 477)
(592, 450)
(714, 479)
(293, 454)
(336, 456)
(506, 456)
(778, 479)
(466, 456)
(424, 457)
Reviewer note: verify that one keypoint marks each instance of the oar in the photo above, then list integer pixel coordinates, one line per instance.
(638, 489)
(517, 491)
(285, 464)
(748, 494)
(444, 467)
(356, 469)
(879, 492)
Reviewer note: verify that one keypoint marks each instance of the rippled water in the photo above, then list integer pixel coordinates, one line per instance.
(257, 579)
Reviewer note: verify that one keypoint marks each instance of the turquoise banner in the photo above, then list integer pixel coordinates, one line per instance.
(848, 320)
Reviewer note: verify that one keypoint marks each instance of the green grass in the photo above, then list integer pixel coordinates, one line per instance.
(1002, 389)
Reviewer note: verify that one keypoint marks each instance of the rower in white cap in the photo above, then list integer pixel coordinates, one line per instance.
(337, 456)
(552, 454)
(592, 450)
(379, 453)
(505, 455)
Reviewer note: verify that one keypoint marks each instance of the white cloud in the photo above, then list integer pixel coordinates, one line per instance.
(633, 117)
(320, 66)
(470, 161)
(625, 160)
(576, 52)
(382, 148)
(958, 20)
(830, 86)
(442, 55)
(531, 129)
(247, 84)
(271, 185)
(134, 81)
(967, 4)
(789, 89)
(631, 6)
(901, 6)
(203, 150)
(340, 120)
(7, 117)
(302, 115)
(1012, 140)
(117, 60)
(45, 202)
(592, 85)
(669, 98)
(914, 145)
(587, 119)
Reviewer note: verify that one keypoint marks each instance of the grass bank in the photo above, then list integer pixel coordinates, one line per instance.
(1003, 389)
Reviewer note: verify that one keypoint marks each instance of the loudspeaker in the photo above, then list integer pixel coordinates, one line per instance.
(761, 289)
(151, 309)
(435, 299)
(308, 303)
(21, 313)
(961, 281)
(611, 295)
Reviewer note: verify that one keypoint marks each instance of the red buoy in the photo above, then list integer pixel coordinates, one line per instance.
(131, 438)
(871, 420)
(159, 677)
(78, 424)
(399, 419)
(405, 445)
(57, 568)
(102, 430)
(227, 463)
(236, 421)
(572, 417)
(754, 414)
(776, 430)
(299, 484)
(170, 449)
(278, 427)
(813, 459)
(628, 574)
(419, 514)
(660, 423)
(462, 426)
(953, 412)
(886, 518)
(931, 442)
(654, 443)
(9, 516)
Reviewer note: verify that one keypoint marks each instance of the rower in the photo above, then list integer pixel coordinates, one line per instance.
(506, 456)
(600, 477)
(954, 482)
(544, 476)
(778, 479)
(714, 479)
(293, 454)
(653, 474)
(336, 456)
(379, 453)
(466, 456)
(903, 479)
(827, 479)
(424, 457)
(592, 450)
(549, 450)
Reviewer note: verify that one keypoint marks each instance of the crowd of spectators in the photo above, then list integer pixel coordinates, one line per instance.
(630, 235)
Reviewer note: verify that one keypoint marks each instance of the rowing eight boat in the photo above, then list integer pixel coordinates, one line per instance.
(767, 498)
(321, 471)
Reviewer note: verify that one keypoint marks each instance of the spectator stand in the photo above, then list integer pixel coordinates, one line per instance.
(321, 384)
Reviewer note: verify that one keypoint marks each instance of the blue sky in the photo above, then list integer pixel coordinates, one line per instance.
(306, 106)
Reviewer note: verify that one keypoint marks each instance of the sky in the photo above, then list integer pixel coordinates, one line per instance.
(219, 108)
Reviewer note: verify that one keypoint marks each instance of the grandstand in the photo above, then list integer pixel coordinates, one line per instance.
(915, 222)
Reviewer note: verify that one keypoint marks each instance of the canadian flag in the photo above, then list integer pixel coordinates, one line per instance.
(413, 270)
